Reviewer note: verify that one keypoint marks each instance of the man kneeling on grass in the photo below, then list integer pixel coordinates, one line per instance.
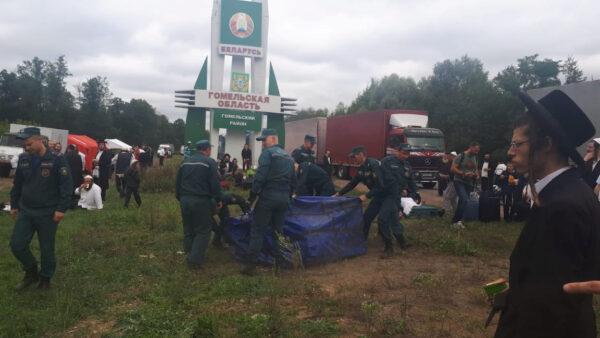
(91, 194)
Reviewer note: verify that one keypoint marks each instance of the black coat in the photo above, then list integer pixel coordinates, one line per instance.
(76, 166)
(104, 164)
(591, 175)
(560, 243)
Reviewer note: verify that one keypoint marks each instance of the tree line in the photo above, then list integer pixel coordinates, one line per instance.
(35, 93)
(461, 98)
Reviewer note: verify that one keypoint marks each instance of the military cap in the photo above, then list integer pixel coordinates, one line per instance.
(356, 150)
(310, 138)
(26, 133)
(203, 144)
(265, 133)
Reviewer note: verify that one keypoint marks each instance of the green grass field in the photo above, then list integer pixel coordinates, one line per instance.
(119, 274)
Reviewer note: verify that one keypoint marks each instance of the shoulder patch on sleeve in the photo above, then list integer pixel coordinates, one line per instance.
(64, 171)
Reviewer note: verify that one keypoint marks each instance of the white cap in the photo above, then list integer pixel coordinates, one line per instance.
(597, 140)
(454, 153)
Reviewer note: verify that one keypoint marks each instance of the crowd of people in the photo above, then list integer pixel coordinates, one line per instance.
(554, 267)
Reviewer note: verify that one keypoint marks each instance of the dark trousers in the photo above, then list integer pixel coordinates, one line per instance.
(269, 214)
(219, 228)
(508, 199)
(246, 164)
(136, 194)
(389, 226)
(370, 213)
(103, 184)
(120, 183)
(442, 185)
(485, 184)
(161, 160)
(27, 224)
(196, 213)
(462, 191)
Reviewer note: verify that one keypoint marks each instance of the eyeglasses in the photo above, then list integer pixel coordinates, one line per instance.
(516, 145)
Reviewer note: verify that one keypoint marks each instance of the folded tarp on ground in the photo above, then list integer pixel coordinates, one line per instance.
(325, 229)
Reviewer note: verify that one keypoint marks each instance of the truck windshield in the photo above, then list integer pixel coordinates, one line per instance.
(10, 140)
(426, 143)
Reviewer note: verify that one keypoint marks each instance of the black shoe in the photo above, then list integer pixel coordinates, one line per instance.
(194, 266)
(31, 276)
(44, 283)
(388, 252)
(402, 242)
(218, 245)
(248, 270)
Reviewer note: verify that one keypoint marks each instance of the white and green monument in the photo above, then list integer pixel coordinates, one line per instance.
(233, 90)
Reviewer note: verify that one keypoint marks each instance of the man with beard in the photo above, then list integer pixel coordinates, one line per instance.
(560, 242)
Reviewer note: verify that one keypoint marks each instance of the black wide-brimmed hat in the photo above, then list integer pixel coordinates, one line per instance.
(563, 120)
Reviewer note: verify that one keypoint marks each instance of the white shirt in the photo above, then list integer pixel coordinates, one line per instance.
(98, 155)
(484, 169)
(501, 167)
(541, 184)
(90, 199)
(161, 152)
(594, 164)
(82, 155)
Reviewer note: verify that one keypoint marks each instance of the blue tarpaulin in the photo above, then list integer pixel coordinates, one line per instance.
(324, 228)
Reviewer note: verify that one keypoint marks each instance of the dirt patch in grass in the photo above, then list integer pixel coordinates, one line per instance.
(90, 328)
(415, 293)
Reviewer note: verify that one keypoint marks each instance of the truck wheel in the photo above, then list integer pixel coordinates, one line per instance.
(342, 172)
(5, 170)
(428, 185)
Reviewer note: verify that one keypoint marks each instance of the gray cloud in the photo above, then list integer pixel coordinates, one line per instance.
(323, 51)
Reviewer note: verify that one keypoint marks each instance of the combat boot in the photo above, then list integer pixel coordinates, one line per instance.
(44, 283)
(248, 270)
(388, 252)
(31, 276)
(402, 242)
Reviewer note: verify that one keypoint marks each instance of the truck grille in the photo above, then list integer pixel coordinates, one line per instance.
(422, 162)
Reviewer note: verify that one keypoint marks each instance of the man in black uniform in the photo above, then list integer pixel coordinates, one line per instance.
(197, 191)
(368, 174)
(40, 196)
(560, 242)
(312, 180)
(394, 182)
(273, 184)
(305, 152)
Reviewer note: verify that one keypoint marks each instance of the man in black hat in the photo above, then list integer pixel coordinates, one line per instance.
(197, 190)
(273, 185)
(368, 173)
(312, 180)
(560, 243)
(40, 196)
(305, 152)
(104, 161)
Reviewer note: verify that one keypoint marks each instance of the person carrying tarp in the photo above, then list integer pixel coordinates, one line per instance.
(312, 180)
(273, 184)
(368, 173)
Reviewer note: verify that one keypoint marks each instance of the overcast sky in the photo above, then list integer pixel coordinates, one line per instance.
(323, 51)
